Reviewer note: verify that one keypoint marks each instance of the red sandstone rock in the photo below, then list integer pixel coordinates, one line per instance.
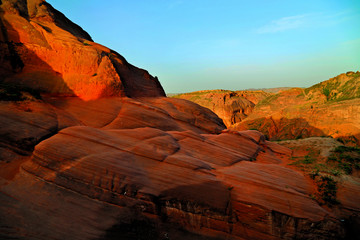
(211, 181)
(42, 49)
(230, 106)
(125, 168)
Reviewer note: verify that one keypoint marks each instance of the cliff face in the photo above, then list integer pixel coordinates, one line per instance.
(88, 162)
(42, 49)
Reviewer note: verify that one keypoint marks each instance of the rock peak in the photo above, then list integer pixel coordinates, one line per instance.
(44, 50)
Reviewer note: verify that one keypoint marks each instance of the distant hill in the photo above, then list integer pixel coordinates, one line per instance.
(270, 90)
(231, 106)
(329, 108)
(343, 87)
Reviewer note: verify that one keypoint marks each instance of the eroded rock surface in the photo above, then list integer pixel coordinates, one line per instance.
(101, 165)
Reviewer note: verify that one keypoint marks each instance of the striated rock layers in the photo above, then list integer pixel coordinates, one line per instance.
(156, 167)
(146, 167)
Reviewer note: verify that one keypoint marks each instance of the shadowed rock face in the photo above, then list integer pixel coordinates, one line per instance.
(131, 168)
(44, 50)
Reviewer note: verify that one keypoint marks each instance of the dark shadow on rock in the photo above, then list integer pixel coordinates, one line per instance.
(15, 57)
(352, 224)
(284, 128)
(137, 82)
(350, 140)
(136, 229)
(148, 229)
(218, 195)
(17, 83)
(138, 226)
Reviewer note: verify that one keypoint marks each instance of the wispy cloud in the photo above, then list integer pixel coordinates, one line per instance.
(302, 21)
(283, 24)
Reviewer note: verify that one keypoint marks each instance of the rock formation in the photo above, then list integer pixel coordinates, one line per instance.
(44, 50)
(330, 108)
(232, 107)
(124, 162)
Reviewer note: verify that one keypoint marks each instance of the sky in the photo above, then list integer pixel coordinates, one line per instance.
(195, 45)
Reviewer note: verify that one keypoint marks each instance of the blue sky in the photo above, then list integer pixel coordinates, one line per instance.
(231, 44)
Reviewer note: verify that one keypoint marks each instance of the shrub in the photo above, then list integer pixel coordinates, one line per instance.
(346, 167)
(308, 160)
(327, 188)
(314, 174)
(347, 158)
(326, 92)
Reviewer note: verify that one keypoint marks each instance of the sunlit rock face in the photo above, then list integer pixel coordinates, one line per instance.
(120, 161)
(329, 108)
(42, 49)
(231, 106)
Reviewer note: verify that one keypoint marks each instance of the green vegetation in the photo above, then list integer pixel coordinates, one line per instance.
(342, 161)
(304, 161)
(345, 159)
(327, 188)
(343, 149)
(338, 89)
(9, 92)
(86, 44)
(349, 140)
(326, 92)
(324, 172)
(321, 174)
(194, 98)
(268, 100)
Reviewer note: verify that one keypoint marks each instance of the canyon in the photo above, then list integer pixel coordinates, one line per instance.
(329, 108)
(91, 148)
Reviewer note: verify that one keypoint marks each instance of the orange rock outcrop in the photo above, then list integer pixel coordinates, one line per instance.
(42, 49)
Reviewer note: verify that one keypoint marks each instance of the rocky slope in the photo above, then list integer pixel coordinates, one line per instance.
(231, 106)
(123, 162)
(330, 108)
